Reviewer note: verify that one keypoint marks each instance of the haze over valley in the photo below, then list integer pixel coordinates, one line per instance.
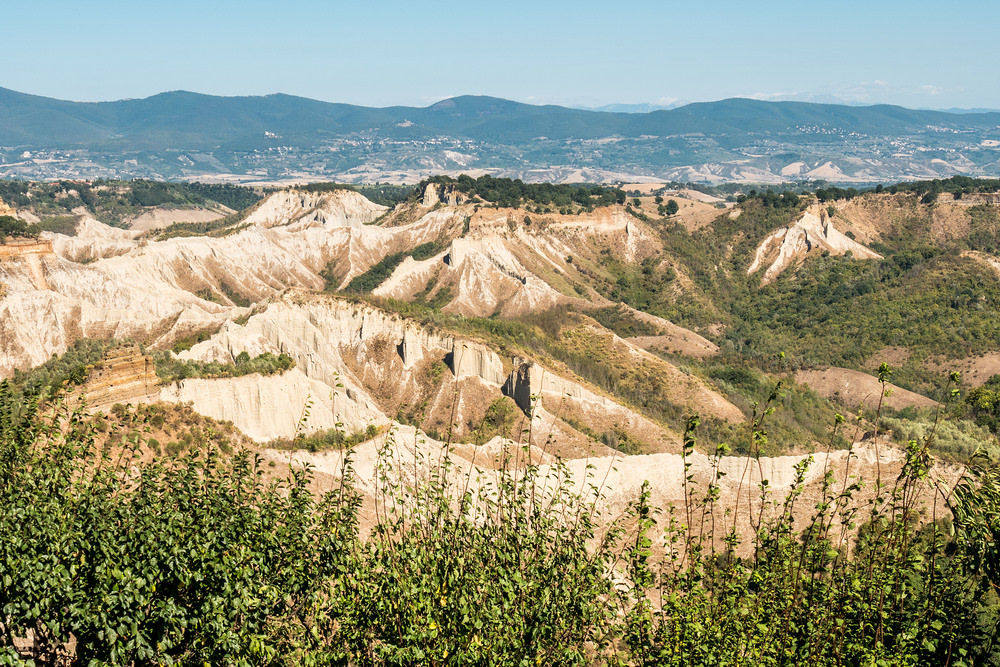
(281, 138)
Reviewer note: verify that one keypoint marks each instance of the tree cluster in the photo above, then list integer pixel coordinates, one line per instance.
(171, 369)
(508, 193)
(770, 199)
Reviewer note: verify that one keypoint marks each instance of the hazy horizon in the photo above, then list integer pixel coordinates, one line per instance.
(586, 54)
(615, 107)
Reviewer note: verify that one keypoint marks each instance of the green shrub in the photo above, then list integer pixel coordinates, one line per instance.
(11, 226)
(171, 369)
(201, 560)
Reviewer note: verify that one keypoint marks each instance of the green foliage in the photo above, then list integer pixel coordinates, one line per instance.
(977, 514)
(798, 414)
(171, 369)
(899, 595)
(955, 439)
(380, 272)
(202, 562)
(236, 197)
(113, 201)
(332, 438)
(210, 559)
(502, 418)
(770, 199)
(436, 371)
(59, 224)
(386, 194)
(69, 369)
(984, 402)
(615, 437)
(984, 229)
(957, 186)
(833, 194)
(840, 312)
(187, 342)
(234, 296)
(624, 322)
(502, 577)
(222, 226)
(647, 286)
(11, 226)
(507, 193)
(620, 439)
(425, 250)
(324, 187)
(376, 275)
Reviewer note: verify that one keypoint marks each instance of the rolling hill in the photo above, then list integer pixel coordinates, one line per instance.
(188, 135)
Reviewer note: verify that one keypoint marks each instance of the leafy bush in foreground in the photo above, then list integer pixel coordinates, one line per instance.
(213, 560)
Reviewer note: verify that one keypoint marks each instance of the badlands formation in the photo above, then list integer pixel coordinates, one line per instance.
(814, 231)
(268, 285)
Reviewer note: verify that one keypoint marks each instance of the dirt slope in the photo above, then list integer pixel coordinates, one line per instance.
(854, 388)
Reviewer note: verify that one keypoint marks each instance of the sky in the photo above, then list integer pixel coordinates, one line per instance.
(586, 53)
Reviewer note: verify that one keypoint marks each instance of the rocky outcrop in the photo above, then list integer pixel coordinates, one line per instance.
(475, 360)
(126, 376)
(301, 208)
(813, 232)
(432, 195)
(377, 363)
(275, 406)
(93, 240)
(7, 210)
(23, 247)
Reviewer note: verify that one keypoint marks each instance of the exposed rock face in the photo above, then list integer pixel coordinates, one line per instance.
(125, 376)
(378, 363)
(107, 282)
(94, 240)
(518, 385)
(150, 291)
(535, 389)
(432, 195)
(274, 406)
(813, 232)
(7, 210)
(24, 247)
(476, 360)
(343, 208)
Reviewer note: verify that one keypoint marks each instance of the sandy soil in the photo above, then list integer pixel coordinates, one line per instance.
(894, 355)
(644, 188)
(696, 214)
(975, 370)
(164, 217)
(869, 217)
(852, 388)
(700, 196)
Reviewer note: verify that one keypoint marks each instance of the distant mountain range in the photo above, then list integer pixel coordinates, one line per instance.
(282, 137)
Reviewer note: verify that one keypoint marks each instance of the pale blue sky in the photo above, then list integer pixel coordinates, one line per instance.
(916, 53)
